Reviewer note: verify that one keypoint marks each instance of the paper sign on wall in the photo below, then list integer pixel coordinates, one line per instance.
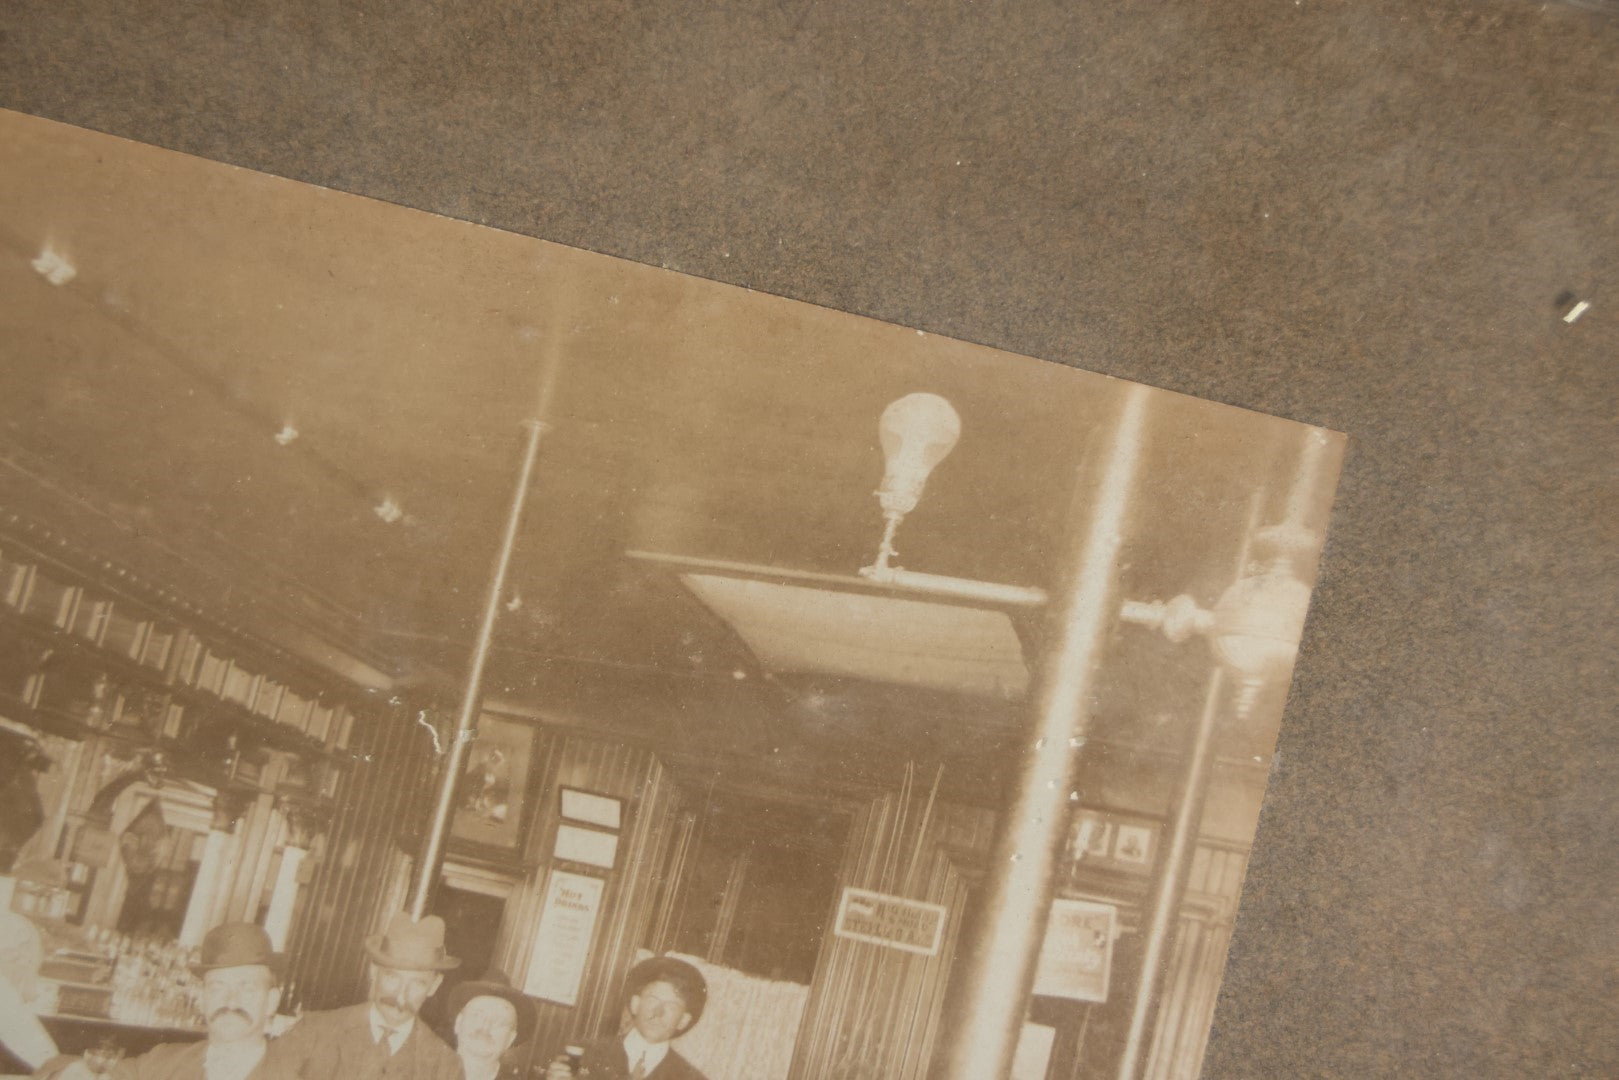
(556, 963)
(1078, 951)
(589, 846)
(894, 921)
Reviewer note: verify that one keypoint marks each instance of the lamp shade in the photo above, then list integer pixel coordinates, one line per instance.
(1258, 623)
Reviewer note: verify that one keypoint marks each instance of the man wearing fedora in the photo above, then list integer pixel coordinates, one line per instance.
(490, 1018)
(665, 997)
(240, 974)
(381, 1039)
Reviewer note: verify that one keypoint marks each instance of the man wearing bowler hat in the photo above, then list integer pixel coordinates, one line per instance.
(490, 1018)
(381, 1039)
(240, 974)
(665, 997)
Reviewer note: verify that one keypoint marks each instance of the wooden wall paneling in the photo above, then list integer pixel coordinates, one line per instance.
(383, 790)
(339, 953)
(1203, 931)
(630, 901)
(962, 836)
(632, 907)
(829, 988)
(309, 944)
(730, 897)
(873, 1012)
(672, 886)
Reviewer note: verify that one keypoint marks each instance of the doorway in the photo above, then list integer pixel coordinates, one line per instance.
(472, 903)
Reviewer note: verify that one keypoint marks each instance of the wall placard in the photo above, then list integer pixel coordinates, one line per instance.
(589, 846)
(556, 963)
(894, 921)
(592, 809)
(1077, 955)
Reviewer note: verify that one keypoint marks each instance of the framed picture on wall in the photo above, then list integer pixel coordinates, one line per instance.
(491, 797)
(1134, 845)
(1102, 840)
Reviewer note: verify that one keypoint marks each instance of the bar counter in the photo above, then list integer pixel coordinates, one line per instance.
(76, 1034)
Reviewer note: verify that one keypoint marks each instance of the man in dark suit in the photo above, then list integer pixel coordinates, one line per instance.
(381, 1039)
(665, 998)
(240, 974)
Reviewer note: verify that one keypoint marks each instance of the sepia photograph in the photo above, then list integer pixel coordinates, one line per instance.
(432, 649)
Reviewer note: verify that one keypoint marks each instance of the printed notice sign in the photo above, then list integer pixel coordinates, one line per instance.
(556, 963)
(1078, 951)
(893, 921)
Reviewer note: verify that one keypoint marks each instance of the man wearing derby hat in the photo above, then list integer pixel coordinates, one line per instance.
(380, 1039)
(490, 1018)
(240, 974)
(665, 997)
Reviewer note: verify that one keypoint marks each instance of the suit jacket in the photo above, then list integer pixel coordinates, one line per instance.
(337, 1045)
(605, 1060)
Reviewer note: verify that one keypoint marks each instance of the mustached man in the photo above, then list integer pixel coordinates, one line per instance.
(241, 975)
(381, 1039)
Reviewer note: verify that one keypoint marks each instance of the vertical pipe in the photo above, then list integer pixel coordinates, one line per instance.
(998, 974)
(1176, 862)
(432, 858)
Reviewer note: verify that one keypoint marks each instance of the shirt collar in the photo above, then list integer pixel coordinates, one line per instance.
(399, 1034)
(635, 1045)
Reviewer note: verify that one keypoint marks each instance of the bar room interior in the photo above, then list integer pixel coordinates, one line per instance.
(355, 561)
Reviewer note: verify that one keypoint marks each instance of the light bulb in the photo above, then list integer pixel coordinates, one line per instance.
(916, 432)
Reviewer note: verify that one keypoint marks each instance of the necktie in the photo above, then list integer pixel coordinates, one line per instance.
(639, 1072)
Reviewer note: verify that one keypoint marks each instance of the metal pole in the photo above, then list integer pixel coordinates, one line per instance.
(1176, 865)
(432, 858)
(988, 1011)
